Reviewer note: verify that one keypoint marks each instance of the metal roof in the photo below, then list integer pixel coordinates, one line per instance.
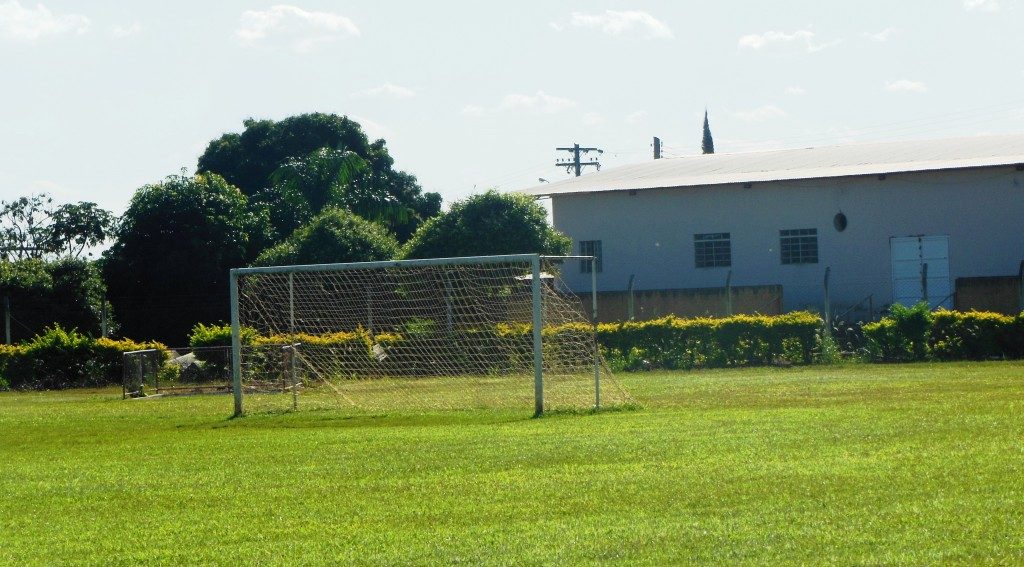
(804, 163)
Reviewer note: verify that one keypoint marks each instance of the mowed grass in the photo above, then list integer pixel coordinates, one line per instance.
(910, 464)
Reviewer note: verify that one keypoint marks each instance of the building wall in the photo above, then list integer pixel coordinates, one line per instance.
(650, 233)
(613, 306)
(1001, 294)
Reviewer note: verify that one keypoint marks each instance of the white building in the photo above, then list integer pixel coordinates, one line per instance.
(879, 216)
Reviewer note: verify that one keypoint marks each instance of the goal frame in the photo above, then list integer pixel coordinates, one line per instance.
(533, 260)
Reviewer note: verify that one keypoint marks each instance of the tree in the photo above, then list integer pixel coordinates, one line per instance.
(74, 227)
(329, 178)
(707, 145)
(247, 160)
(66, 292)
(168, 267)
(30, 227)
(254, 160)
(488, 223)
(335, 235)
(23, 226)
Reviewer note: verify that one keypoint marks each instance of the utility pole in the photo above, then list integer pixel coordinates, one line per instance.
(657, 147)
(575, 164)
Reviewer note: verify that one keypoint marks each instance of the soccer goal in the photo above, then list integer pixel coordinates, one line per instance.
(140, 369)
(449, 333)
(176, 371)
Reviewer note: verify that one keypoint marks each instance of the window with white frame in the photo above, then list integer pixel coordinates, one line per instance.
(712, 250)
(799, 246)
(590, 248)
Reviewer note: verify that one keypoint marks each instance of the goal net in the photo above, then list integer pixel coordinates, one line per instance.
(455, 333)
(139, 371)
(176, 371)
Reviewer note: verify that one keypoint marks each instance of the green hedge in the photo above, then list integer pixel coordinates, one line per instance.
(60, 359)
(741, 340)
(976, 335)
(669, 343)
(916, 333)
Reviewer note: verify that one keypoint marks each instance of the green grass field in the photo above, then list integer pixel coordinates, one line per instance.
(912, 464)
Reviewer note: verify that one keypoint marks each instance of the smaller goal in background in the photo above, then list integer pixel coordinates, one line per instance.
(177, 371)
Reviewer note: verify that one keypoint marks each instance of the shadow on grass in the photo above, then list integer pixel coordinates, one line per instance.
(616, 408)
(333, 418)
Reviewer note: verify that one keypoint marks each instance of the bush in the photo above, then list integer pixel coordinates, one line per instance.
(60, 359)
(741, 340)
(915, 333)
(334, 235)
(8, 357)
(902, 336)
(218, 335)
(826, 350)
(487, 223)
(976, 335)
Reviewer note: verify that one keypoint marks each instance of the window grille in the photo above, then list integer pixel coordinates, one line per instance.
(799, 246)
(712, 250)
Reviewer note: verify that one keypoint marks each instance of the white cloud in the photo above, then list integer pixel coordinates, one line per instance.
(540, 103)
(387, 90)
(556, 26)
(373, 130)
(124, 31)
(628, 23)
(303, 29)
(28, 24)
(635, 117)
(984, 5)
(795, 90)
(803, 40)
(593, 119)
(760, 114)
(906, 86)
(881, 36)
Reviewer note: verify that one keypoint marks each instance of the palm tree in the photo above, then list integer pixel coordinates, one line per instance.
(338, 178)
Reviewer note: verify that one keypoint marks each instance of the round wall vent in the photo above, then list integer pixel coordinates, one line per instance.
(839, 221)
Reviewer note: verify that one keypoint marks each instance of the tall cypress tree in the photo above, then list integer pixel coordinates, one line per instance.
(707, 145)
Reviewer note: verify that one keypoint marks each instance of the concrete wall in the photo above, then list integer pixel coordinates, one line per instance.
(999, 294)
(650, 233)
(613, 306)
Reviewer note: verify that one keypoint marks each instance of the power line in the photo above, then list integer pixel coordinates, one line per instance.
(499, 179)
(922, 124)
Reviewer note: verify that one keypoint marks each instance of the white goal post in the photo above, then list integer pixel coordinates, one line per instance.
(444, 333)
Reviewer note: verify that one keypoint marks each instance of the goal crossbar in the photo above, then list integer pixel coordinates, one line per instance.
(533, 261)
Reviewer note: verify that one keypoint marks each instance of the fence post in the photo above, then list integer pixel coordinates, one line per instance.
(924, 283)
(295, 382)
(1020, 287)
(828, 306)
(597, 352)
(728, 294)
(629, 299)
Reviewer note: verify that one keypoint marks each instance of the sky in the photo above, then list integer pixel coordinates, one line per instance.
(98, 98)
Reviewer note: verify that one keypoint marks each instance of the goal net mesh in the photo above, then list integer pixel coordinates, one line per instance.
(434, 337)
